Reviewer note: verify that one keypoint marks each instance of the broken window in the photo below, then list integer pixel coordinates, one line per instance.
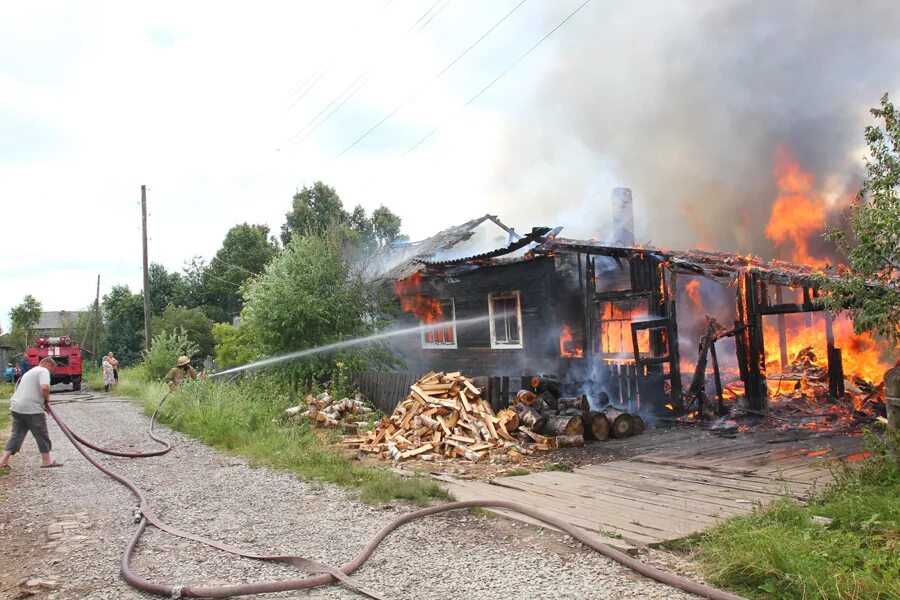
(440, 329)
(506, 320)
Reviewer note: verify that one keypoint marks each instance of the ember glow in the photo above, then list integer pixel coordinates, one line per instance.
(798, 213)
(567, 345)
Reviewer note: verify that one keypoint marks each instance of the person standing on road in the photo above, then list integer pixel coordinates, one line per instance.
(27, 406)
(179, 373)
(108, 374)
(115, 366)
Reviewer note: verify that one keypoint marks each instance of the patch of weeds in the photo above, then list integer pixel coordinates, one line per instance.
(481, 512)
(6, 390)
(558, 467)
(517, 472)
(779, 552)
(611, 534)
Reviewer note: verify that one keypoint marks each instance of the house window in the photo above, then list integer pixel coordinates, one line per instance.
(440, 330)
(506, 320)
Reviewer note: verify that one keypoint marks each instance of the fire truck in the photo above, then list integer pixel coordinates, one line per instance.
(65, 352)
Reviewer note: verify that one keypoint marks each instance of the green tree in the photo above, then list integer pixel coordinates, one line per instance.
(23, 317)
(308, 296)
(234, 345)
(192, 321)
(193, 293)
(385, 226)
(313, 211)
(165, 288)
(123, 314)
(872, 292)
(245, 251)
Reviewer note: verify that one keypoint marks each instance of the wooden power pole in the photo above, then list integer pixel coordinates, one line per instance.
(146, 270)
(94, 342)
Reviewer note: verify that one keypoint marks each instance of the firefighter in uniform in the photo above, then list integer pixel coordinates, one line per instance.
(179, 373)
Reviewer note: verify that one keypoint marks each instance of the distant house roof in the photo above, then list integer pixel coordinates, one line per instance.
(55, 319)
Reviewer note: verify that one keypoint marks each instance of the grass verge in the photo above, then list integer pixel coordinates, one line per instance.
(781, 552)
(244, 418)
(6, 390)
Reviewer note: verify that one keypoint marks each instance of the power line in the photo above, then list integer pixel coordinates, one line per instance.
(363, 78)
(206, 273)
(216, 257)
(498, 78)
(415, 94)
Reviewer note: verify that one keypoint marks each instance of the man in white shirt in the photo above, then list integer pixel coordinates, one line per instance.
(27, 406)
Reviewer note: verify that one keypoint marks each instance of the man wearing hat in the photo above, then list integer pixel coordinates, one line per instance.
(183, 371)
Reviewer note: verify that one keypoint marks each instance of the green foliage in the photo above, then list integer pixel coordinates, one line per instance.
(245, 251)
(234, 345)
(23, 317)
(313, 211)
(191, 321)
(193, 292)
(517, 472)
(308, 297)
(6, 390)
(874, 250)
(239, 417)
(781, 553)
(318, 209)
(124, 322)
(165, 349)
(165, 288)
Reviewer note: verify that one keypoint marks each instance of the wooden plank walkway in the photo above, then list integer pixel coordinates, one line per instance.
(685, 482)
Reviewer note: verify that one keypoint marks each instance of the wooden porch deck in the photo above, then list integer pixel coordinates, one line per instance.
(677, 484)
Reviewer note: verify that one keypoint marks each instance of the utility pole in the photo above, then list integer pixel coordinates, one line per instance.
(146, 270)
(96, 320)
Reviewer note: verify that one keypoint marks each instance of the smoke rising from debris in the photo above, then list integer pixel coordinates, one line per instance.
(687, 103)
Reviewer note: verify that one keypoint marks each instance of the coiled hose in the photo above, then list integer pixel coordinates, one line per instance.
(327, 574)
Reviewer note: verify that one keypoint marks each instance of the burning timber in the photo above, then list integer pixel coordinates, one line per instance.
(608, 320)
(445, 416)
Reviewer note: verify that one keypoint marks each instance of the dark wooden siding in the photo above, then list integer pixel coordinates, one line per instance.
(537, 287)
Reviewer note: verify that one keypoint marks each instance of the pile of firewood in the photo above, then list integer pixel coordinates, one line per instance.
(326, 411)
(444, 416)
(571, 420)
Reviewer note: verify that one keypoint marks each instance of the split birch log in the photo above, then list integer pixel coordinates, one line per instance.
(621, 425)
(596, 426)
(564, 426)
(525, 397)
(530, 418)
(569, 441)
(578, 403)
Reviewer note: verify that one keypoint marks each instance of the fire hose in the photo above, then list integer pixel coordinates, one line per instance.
(327, 574)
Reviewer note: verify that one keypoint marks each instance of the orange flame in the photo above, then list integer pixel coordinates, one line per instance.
(692, 289)
(798, 212)
(567, 346)
(426, 308)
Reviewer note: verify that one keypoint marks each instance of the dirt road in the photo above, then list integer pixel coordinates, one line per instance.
(62, 530)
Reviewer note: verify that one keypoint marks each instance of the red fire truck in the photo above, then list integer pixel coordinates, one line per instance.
(65, 352)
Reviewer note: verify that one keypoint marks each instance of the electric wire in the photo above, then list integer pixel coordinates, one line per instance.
(226, 263)
(498, 78)
(362, 78)
(437, 76)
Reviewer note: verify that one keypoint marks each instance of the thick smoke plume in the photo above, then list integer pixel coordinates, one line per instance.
(688, 103)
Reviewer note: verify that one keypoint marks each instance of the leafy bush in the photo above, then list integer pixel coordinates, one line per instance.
(234, 345)
(196, 325)
(164, 353)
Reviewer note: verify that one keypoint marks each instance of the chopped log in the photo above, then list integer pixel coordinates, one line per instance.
(621, 425)
(639, 425)
(549, 400)
(578, 403)
(509, 419)
(526, 397)
(558, 425)
(596, 426)
(571, 412)
(569, 441)
(530, 418)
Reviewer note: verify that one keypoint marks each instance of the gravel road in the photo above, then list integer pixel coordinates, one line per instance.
(62, 530)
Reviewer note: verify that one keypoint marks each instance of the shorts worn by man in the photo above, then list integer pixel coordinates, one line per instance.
(177, 374)
(27, 407)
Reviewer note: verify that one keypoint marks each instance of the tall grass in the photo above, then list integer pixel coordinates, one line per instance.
(780, 552)
(6, 390)
(244, 418)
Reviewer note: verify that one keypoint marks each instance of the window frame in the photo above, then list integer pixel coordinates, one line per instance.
(426, 345)
(505, 295)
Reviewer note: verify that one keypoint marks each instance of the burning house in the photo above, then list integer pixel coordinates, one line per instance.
(604, 318)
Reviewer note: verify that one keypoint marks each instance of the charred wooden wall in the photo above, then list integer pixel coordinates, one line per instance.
(537, 284)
